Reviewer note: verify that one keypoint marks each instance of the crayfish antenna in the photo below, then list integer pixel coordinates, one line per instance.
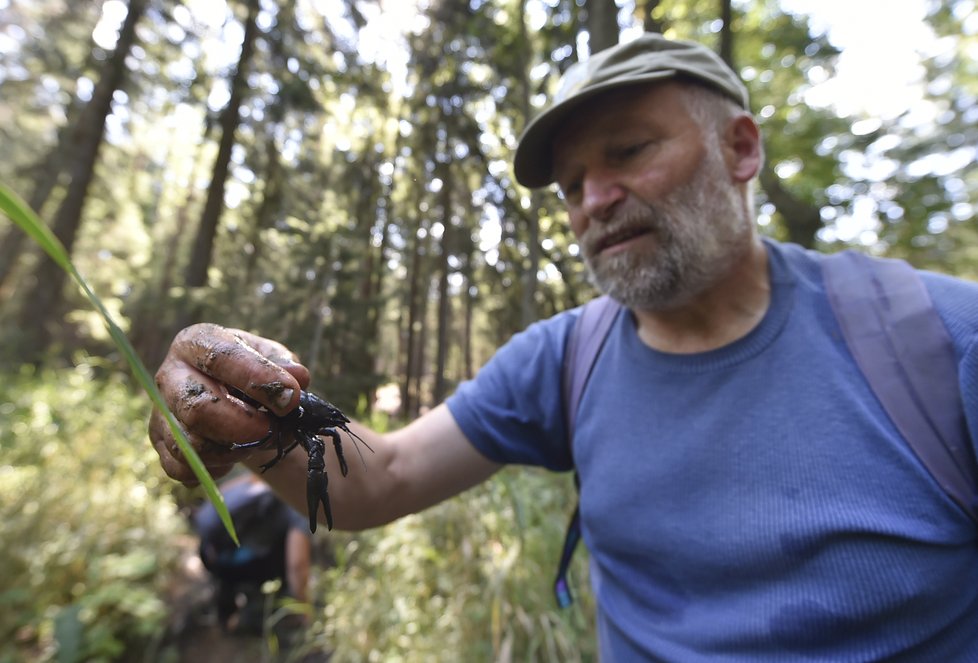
(356, 438)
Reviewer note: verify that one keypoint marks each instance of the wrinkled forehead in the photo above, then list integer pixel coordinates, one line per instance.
(608, 117)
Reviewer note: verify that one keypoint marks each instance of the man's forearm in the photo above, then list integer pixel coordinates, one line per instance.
(409, 470)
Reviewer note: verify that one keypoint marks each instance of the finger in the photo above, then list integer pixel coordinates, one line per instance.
(227, 357)
(277, 354)
(207, 409)
(174, 462)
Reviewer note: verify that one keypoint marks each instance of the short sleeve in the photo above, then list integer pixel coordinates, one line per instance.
(512, 411)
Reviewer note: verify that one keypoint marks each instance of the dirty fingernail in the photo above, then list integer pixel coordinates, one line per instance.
(284, 397)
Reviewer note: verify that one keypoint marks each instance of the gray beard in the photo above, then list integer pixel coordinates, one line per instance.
(700, 232)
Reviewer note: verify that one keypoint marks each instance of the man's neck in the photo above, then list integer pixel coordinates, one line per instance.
(718, 316)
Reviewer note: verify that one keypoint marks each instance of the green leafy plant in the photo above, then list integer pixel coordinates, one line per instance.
(20, 213)
(90, 552)
(469, 579)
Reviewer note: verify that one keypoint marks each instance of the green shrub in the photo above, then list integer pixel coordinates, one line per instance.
(88, 519)
(88, 546)
(469, 580)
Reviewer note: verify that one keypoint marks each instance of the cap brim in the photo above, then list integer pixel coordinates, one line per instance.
(533, 161)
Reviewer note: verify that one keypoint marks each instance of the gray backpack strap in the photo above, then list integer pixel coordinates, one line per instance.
(585, 342)
(903, 349)
(583, 346)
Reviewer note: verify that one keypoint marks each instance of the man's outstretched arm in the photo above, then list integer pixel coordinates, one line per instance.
(209, 368)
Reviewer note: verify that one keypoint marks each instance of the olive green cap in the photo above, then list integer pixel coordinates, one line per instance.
(651, 57)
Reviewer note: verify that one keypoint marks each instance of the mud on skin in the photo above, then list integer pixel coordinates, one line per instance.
(272, 390)
(218, 351)
(195, 393)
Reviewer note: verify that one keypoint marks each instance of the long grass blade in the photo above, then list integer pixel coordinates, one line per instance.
(20, 213)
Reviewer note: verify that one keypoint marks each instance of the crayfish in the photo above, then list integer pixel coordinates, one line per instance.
(314, 416)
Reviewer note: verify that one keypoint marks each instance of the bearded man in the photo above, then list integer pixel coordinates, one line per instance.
(743, 494)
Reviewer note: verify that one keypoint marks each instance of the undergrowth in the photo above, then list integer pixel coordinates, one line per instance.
(89, 523)
(87, 519)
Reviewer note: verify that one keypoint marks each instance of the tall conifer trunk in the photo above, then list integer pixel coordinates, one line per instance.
(41, 311)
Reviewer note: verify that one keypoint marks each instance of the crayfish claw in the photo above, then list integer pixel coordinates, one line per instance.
(315, 495)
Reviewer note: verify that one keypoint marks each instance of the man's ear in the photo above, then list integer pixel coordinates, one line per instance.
(742, 148)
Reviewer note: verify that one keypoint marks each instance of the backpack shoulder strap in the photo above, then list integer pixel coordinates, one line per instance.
(583, 346)
(903, 349)
(585, 342)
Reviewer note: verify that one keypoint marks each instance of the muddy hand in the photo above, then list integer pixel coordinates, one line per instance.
(205, 372)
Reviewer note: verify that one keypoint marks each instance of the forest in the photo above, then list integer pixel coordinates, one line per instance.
(336, 175)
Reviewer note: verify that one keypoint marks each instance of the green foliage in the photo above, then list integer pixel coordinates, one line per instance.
(467, 580)
(19, 212)
(88, 519)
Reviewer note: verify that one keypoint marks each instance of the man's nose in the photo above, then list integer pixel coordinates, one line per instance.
(602, 193)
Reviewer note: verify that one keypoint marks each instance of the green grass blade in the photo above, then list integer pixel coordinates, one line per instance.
(20, 213)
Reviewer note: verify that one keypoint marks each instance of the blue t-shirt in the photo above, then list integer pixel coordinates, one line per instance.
(754, 502)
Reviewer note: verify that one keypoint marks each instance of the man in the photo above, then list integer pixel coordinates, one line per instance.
(275, 545)
(743, 494)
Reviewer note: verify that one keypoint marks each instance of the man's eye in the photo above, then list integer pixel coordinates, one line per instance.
(569, 191)
(628, 151)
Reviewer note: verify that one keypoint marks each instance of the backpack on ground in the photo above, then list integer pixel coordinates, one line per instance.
(899, 343)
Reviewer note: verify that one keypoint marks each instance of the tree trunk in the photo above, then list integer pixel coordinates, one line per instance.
(802, 219)
(726, 33)
(269, 208)
(311, 359)
(46, 178)
(413, 295)
(444, 303)
(529, 311)
(649, 22)
(200, 259)
(45, 175)
(421, 348)
(152, 326)
(468, 370)
(43, 309)
(602, 24)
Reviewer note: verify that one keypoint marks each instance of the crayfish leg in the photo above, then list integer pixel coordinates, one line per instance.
(282, 453)
(338, 447)
(256, 443)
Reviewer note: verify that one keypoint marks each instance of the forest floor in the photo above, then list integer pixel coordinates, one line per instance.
(193, 633)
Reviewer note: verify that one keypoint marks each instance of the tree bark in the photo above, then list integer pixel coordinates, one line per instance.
(649, 22)
(230, 119)
(42, 310)
(528, 308)
(413, 295)
(152, 320)
(802, 219)
(45, 175)
(602, 24)
(444, 303)
(726, 33)
(46, 178)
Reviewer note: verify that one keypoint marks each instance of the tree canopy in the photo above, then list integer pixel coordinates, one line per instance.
(337, 175)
